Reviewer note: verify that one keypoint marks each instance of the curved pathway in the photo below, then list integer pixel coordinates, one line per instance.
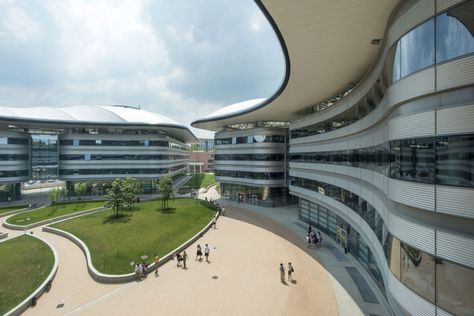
(242, 277)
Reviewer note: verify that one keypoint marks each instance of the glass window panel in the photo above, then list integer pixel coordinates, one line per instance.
(454, 160)
(454, 32)
(418, 271)
(454, 288)
(417, 48)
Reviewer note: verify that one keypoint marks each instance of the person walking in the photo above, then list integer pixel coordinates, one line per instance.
(185, 257)
(199, 253)
(214, 222)
(308, 241)
(282, 273)
(156, 259)
(320, 239)
(290, 272)
(206, 252)
(178, 259)
(223, 211)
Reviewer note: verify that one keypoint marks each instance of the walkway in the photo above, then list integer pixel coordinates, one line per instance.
(242, 278)
(355, 291)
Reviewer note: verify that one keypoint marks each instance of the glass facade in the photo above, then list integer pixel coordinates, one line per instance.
(44, 156)
(416, 50)
(252, 139)
(102, 142)
(261, 196)
(250, 157)
(121, 157)
(250, 175)
(444, 160)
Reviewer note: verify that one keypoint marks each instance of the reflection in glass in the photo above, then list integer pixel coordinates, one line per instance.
(44, 156)
(418, 271)
(454, 288)
(417, 48)
(454, 32)
(454, 160)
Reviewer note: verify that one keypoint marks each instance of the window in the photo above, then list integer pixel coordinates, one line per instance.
(454, 160)
(454, 32)
(418, 271)
(454, 288)
(417, 48)
(75, 142)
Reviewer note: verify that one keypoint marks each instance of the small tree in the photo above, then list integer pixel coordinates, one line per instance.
(165, 184)
(131, 187)
(63, 193)
(80, 189)
(115, 197)
(54, 194)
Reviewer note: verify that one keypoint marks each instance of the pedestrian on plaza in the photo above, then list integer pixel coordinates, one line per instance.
(320, 239)
(214, 222)
(178, 259)
(137, 271)
(185, 257)
(156, 259)
(310, 229)
(143, 270)
(198, 253)
(290, 272)
(223, 211)
(206, 252)
(308, 241)
(282, 273)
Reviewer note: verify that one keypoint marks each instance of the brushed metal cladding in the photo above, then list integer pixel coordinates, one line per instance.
(455, 120)
(412, 86)
(409, 300)
(456, 248)
(442, 5)
(455, 201)
(411, 193)
(442, 312)
(459, 72)
(415, 125)
(416, 235)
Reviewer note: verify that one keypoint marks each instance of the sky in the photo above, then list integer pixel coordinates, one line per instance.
(183, 59)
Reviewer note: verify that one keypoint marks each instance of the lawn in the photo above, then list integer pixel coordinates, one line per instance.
(11, 208)
(27, 218)
(25, 264)
(147, 230)
(197, 181)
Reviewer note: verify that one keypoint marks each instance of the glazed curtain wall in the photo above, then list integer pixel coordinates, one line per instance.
(118, 171)
(250, 175)
(120, 157)
(251, 139)
(447, 36)
(443, 283)
(249, 157)
(445, 160)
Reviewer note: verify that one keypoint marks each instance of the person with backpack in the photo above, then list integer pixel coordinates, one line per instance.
(290, 272)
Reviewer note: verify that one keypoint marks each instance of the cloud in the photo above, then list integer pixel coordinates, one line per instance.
(183, 59)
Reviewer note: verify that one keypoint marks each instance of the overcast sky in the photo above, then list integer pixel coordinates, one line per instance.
(183, 59)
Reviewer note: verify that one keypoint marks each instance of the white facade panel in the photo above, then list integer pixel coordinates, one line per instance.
(456, 73)
(455, 201)
(415, 194)
(455, 120)
(456, 248)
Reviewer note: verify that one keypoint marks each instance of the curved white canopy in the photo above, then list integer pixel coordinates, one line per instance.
(112, 115)
(327, 48)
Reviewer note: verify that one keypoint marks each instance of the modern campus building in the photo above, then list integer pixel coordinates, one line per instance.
(89, 143)
(372, 133)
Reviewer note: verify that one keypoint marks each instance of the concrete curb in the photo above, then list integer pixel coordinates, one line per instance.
(3, 235)
(52, 220)
(27, 302)
(123, 278)
(15, 211)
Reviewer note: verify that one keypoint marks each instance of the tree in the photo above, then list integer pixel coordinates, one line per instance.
(165, 184)
(63, 193)
(115, 198)
(131, 187)
(122, 194)
(54, 194)
(80, 189)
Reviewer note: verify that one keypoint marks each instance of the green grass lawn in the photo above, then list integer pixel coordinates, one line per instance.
(147, 230)
(197, 181)
(11, 208)
(25, 263)
(53, 211)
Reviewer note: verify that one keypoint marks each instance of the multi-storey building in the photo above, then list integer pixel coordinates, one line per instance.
(89, 143)
(377, 108)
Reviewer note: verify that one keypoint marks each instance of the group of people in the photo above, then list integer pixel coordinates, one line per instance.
(313, 239)
(181, 257)
(199, 252)
(289, 271)
(140, 270)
